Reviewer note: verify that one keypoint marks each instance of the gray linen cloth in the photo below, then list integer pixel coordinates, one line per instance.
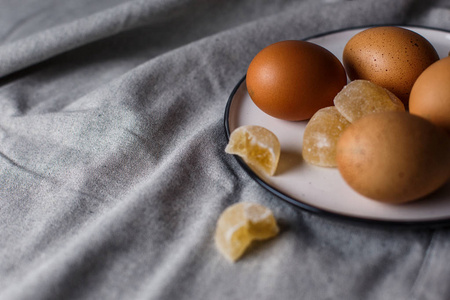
(112, 165)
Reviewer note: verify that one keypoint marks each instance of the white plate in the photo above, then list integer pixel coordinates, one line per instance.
(322, 190)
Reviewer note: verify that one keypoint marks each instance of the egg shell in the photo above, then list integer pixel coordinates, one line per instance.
(394, 157)
(291, 80)
(390, 56)
(430, 95)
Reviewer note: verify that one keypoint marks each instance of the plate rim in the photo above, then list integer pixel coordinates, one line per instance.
(436, 223)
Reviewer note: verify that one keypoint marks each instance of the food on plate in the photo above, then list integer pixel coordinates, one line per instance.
(356, 99)
(240, 224)
(362, 97)
(430, 95)
(321, 135)
(291, 80)
(258, 147)
(392, 57)
(363, 128)
(394, 157)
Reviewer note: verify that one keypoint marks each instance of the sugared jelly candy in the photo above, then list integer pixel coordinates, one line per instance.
(321, 135)
(362, 97)
(240, 224)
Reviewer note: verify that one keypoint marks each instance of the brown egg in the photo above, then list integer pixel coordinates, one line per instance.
(393, 157)
(291, 80)
(392, 57)
(430, 95)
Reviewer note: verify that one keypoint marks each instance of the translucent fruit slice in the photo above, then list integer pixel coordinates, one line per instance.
(362, 97)
(258, 147)
(240, 224)
(321, 135)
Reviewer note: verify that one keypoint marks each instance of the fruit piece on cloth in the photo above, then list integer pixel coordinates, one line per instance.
(321, 135)
(362, 97)
(258, 147)
(240, 224)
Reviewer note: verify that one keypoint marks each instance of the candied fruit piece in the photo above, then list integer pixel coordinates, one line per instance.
(240, 224)
(321, 135)
(362, 97)
(258, 147)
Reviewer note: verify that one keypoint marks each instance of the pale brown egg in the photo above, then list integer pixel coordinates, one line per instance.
(291, 80)
(430, 95)
(392, 57)
(394, 157)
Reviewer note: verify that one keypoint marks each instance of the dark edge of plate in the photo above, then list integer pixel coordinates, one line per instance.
(439, 223)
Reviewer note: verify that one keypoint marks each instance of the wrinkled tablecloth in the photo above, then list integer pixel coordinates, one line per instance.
(112, 164)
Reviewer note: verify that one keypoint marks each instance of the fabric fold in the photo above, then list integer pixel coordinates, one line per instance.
(46, 44)
(113, 171)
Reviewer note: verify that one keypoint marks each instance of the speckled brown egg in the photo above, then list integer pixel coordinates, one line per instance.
(430, 95)
(292, 80)
(393, 157)
(392, 57)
